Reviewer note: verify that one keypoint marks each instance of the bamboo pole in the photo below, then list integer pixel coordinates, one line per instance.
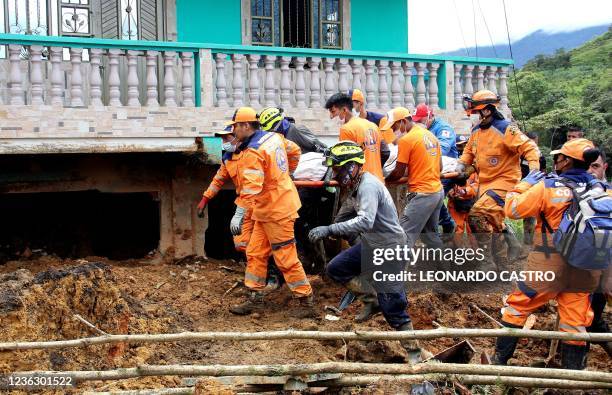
(328, 367)
(351, 381)
(303, 335)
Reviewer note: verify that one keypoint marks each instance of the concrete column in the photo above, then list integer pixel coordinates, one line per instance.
(206, 78)
(449, 68)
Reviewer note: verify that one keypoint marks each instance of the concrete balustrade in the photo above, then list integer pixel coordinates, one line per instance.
(79, 72)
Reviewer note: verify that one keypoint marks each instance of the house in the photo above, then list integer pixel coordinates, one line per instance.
(107, 107)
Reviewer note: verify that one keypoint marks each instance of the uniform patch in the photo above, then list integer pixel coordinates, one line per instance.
(493, 161)
(445, 133)
(281, 159)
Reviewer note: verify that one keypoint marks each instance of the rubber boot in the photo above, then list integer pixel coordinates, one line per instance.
(275, 278)
(306, 308)
(515, 248)
(505, 346)
(255, 301)
(485, 242)
(411, 346)
(367, 295)
(573, 356)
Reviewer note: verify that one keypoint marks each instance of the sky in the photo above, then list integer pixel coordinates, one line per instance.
(434, 25)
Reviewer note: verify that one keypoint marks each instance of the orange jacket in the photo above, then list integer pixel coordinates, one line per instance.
(549, 197)
(267, 187)
(495, 152)
(367, 135)
(232, 169)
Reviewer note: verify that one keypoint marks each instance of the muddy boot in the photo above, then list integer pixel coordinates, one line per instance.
(412, 346)
(515, 248)
(504, 347)
(573, 356)
(367, 295)
(485, 242)
(255, 301)
(306, 308)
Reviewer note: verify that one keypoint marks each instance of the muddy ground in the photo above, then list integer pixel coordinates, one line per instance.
(39, 297)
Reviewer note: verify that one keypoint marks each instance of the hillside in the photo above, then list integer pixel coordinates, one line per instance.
(536, 43)
(568, 89)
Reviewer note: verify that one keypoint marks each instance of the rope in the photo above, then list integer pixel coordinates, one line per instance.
(487, 26)
(518, 92)
(467, 52)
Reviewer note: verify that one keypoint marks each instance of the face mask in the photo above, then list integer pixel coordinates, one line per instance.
(355, 112)
(229, 147)
(344, 176)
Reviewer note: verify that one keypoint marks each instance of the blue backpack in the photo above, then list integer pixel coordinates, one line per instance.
(584, 236)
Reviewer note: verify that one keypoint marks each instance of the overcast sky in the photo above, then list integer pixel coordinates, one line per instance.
(434, 24)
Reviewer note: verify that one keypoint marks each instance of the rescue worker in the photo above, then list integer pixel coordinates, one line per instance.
(599, 167)
(360, 111)
(419, 153)
(231, 170)
(378, 224)
(273, 119)
(493, 152)
(547, 199)
(529, 223)
(461, 196)
(361, 131)
(446, 136)
(267, 190)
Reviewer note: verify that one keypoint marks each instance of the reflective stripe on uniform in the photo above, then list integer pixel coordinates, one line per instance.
(571, 328)
(241, 244)
(254, 171)
(296, 284)
(254, 278)
(214, 188)
(560, 200)
(277, 246)
(248, 191)
(512, 311)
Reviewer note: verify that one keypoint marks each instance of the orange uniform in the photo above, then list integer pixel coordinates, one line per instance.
(367, 135)
(420, 151)
(495, 153)
(267, 190)
(571, 287)
(460, 199)
(231, 169)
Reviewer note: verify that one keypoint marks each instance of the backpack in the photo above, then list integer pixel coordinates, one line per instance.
(584, 236)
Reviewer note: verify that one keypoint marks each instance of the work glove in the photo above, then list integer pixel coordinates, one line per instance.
(533, 177)
(318, 233)
(237, 220)
(202, 206)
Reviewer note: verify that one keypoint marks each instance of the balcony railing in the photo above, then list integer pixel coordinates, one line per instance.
(77, 72)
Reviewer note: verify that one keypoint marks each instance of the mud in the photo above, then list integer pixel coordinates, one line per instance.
(39, 298)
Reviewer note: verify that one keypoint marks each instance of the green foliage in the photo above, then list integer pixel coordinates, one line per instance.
(568, 89)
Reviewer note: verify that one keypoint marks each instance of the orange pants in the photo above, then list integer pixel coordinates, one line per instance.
(276, 238)
(460, 220)
(242, 240)
(575, 313)
(571, 289)
(487, 215)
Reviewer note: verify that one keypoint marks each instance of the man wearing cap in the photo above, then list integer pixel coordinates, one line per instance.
(418, 152)
(232, 170)
(547, 198)
(359, 109)
(268, 191)
(493, 151)
(446, 136)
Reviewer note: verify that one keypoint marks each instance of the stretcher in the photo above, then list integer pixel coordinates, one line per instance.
(333, 183)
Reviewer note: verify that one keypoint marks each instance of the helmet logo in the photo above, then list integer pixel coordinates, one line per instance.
(494, 161)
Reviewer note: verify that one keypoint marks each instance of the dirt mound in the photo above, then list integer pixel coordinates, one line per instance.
(43, 307)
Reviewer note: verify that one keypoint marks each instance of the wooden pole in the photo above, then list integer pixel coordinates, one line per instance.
(329, 367)
(303, 335)
(350, 381)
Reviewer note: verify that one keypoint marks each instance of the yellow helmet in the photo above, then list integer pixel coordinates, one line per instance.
(270, 118)
(343, 153)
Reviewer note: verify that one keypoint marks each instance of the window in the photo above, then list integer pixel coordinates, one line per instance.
(297, 23)
(117, 19)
